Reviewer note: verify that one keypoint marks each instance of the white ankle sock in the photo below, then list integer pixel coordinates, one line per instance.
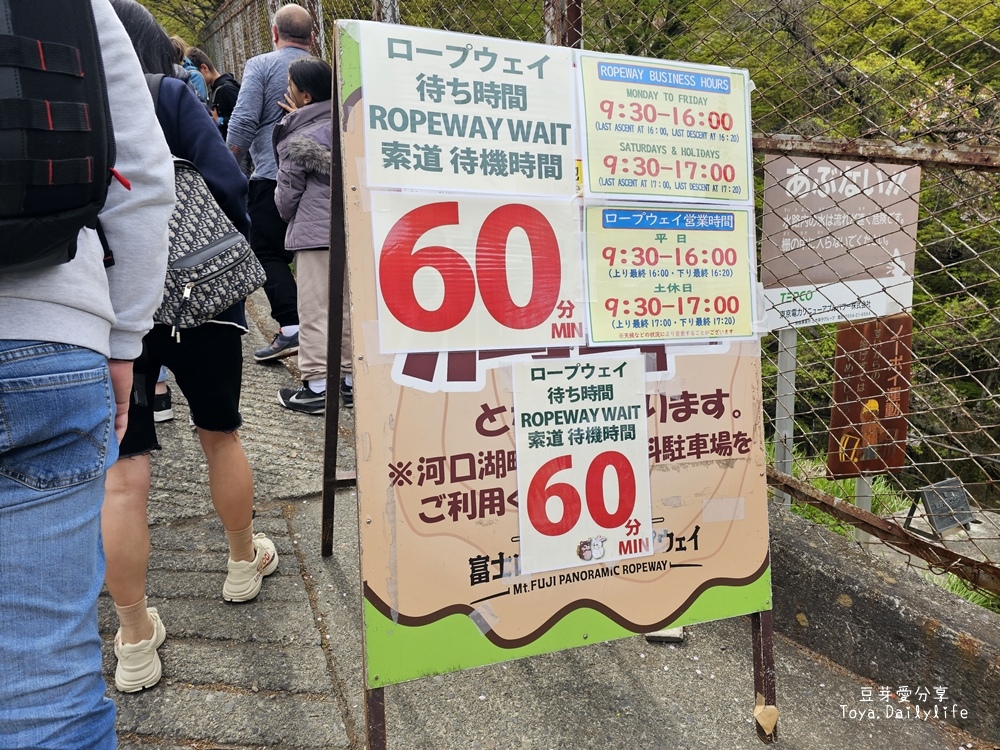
(289, 331)
(317, 386)
(135, 622)
(241, 543)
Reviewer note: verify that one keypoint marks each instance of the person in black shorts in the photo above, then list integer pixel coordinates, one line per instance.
(207, 362)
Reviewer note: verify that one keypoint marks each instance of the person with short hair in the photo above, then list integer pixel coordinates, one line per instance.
(223, 90)
(265, 80)
(194, 76)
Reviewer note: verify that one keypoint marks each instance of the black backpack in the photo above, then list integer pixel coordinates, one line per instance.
(56, 143)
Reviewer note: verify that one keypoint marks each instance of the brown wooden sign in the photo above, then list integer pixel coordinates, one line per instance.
(871, 397)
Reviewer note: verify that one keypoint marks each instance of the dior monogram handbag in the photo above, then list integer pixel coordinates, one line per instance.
(211, 266)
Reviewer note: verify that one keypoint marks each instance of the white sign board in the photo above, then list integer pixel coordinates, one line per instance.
(583, 470)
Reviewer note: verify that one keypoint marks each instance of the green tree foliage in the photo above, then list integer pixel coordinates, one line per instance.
(900, 70)
(843, 68)
(185, 18)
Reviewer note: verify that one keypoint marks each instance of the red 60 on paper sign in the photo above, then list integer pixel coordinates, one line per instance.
(582, 464)
(542, 489)
(476, 273)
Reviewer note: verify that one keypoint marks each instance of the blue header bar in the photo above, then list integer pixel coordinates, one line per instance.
(619, 218)
(677, 79)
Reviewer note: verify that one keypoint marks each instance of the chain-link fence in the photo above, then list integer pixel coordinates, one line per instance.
(850, 95)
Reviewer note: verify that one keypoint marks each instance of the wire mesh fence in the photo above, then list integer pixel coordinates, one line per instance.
(849, 95)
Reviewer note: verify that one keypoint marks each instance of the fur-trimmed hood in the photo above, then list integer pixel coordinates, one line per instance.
(312, 155)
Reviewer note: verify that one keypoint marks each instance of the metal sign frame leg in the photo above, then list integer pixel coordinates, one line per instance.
(784, 408)
(375, 737)
(765, 681)
(335, 323)
(334, 330)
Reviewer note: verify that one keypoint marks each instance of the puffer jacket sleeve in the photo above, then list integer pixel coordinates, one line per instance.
(291, 182)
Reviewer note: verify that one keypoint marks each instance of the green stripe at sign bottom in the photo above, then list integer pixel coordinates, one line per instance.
(397, 653)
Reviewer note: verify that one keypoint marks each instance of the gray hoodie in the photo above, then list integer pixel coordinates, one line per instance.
(81, 302)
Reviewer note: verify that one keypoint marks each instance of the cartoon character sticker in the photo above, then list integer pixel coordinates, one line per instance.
(597, 546)
(591, 549)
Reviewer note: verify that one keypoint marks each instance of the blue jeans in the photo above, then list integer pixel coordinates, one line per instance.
(56, 442)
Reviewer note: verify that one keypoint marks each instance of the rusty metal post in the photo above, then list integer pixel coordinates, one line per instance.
(863, 499)
(375, 736)
(334, 328)
(564, 23)
(554, 14)
(765, 682)
(386, 11)
(573, 32)
(784, 408)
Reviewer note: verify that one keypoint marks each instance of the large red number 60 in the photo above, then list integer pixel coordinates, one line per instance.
(399, 264)
(539, 492)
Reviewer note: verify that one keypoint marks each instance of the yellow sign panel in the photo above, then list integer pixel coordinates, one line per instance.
(665, 274)
(665, 130)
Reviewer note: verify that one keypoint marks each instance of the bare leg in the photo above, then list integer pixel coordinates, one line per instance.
(161, 382)
(230, 481)
(126, 536)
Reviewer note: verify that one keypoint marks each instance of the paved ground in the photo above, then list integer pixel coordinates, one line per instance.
(285, 670)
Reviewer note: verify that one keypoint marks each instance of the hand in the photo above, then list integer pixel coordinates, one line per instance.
(215, 115)
(121, 383)
(289, 104)
(239, 153)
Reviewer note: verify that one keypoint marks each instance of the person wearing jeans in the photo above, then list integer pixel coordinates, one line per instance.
(56, 441)
(68, 334)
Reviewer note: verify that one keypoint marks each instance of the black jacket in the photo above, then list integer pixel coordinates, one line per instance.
(222, 98)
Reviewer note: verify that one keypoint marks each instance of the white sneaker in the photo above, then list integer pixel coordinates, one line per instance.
(246, 576)
(138, 663)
